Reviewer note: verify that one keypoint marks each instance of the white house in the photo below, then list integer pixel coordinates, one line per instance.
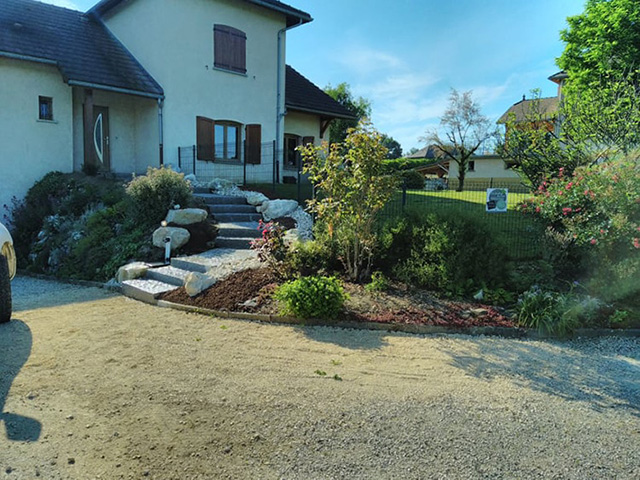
(126, 84)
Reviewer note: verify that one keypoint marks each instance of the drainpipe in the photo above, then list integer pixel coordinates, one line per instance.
(280, 111)
(160, 131)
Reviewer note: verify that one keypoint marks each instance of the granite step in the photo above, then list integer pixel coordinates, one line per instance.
(214, 199)
(231, 208)
(168, 274)
(146, 290)
(237, 217)
(238, 243)
(239, 230)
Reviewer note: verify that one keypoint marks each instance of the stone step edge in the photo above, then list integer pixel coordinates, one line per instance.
(507, 332)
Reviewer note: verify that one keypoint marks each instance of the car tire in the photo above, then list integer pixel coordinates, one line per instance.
(5, 290)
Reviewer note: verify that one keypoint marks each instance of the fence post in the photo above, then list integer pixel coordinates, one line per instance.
(179, 159)
(194, 160)
(244, 163)
(404, 194)
(275, 167)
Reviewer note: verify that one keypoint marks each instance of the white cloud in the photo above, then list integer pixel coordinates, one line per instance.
(364, 61)
(407, 85)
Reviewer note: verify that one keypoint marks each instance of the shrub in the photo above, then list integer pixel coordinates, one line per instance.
(379, 283)
(271, 247)
(452, 253)
(353, 187)
(310, 258)
(153, 194)
(597, 211)
(312, 297)
(413, 180)
(556, 313)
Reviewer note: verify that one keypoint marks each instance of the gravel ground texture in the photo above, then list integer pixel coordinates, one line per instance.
(95, 385)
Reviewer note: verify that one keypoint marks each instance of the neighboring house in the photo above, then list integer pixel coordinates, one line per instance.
(543, 109)
(127, 83)
(485, 171)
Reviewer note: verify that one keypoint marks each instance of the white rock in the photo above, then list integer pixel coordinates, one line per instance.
(196, 282)
(186, 216)
(131, 271)
(304, 223)
(179, 237)
(255, 198)
(278, 208)
(191, 178)
(261, 208)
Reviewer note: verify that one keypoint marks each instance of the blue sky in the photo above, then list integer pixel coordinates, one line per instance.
(406, 55)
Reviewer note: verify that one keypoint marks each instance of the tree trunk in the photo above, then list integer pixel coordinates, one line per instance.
(462, 171)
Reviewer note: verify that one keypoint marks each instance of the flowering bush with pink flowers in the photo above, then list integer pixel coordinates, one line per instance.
(598, 209)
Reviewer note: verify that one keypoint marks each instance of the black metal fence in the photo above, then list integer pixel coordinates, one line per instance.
(492, 203)
(271, 175)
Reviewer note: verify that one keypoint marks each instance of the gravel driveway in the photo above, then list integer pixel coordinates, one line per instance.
(94, 385)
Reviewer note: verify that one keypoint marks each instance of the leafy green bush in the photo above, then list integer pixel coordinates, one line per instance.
(310, 258)
(597, 211)
(312, 297)
(556, 313)
(379, 283)
(399, 164)
(448, 252)
(153, 194)
(413, 180)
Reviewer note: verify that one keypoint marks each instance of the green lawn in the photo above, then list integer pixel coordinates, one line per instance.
(519, 233)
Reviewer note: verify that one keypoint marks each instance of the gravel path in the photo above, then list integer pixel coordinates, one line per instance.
(94, 385)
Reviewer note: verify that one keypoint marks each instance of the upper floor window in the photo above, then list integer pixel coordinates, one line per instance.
(45, 108)
(230, 48)
(472, 166)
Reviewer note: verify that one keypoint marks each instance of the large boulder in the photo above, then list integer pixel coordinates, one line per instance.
(179, 237)
(255, 198)
(131, 271)
(196, 282)
(186, 216)
(277, 208)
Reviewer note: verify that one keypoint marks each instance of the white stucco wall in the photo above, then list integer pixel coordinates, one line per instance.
(173, 40)
(486, 168)
(304, 125)
(30, 148)
(133, 130)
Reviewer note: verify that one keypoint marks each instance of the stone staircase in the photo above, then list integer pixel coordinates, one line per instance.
(237, 220)
(160, 278)
(237, 223)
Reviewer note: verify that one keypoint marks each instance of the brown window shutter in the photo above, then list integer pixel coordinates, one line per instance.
(308, 140)
(252, 150)
(205, 138)
(230, 49)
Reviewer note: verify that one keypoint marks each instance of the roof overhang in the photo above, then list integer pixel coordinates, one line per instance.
(321, 113)
(294, 16)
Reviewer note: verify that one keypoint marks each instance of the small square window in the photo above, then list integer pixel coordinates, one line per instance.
(472, 166)
(45, 108)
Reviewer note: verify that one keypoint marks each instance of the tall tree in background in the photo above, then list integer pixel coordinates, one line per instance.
(601, 42)
(393, 146)
(464, 128)
(359, 107)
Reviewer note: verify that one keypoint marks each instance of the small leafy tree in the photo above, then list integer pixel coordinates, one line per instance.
(465, 129)
(353, 188)
(359, 107)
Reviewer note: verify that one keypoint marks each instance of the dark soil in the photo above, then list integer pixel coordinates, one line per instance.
(251, 291)
(203, 235)
(228, 294)
(285, 222)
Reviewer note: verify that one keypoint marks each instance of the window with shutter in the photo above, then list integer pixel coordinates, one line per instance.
(205, 138)
(230, 48)
(290, 160)
(253, 140)
(308, 140)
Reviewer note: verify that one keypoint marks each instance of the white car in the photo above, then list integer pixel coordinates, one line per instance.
(7, 272)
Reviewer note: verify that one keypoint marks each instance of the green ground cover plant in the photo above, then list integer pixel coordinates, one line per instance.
(312, 297)
(78, 226)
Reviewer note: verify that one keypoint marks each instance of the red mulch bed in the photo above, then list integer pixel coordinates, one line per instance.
(399, 305)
